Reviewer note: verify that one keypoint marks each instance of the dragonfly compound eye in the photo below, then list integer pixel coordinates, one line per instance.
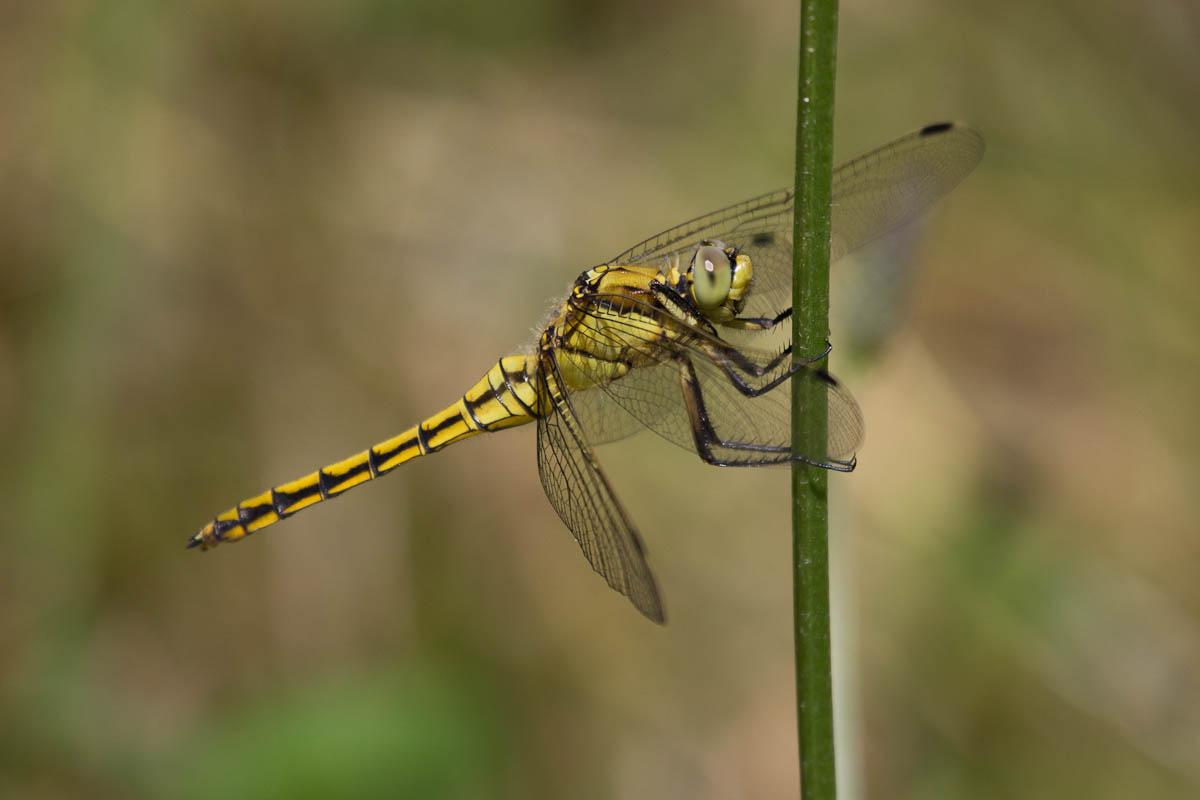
(712, 275)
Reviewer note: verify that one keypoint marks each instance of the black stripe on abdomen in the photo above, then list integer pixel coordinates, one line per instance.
(385, 456)
(285, 500)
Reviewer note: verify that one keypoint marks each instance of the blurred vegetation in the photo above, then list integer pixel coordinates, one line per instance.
(242, 240)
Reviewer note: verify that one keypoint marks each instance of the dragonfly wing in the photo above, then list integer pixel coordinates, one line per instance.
(873, 194)
(585, 502)
(887, 187)
(646, 397)
(765, 212)
(652, 392)
(602, 420)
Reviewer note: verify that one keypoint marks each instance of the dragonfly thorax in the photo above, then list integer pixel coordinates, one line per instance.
(719, 279)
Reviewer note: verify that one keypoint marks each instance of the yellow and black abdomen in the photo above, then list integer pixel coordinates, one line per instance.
(506, 396)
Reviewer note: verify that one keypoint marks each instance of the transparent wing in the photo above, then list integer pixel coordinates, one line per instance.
(585, 502)
(887, 187)
(604, 421)
(872, 195)
(762, 213)
(654, 394)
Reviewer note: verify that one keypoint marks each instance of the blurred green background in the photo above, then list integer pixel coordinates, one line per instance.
(241, 240)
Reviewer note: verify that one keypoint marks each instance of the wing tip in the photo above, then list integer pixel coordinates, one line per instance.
(965, 133)
(651, 608)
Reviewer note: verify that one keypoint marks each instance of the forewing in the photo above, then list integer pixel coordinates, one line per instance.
(764, 212)
(585, 502)
(872, 195)
(885, 188)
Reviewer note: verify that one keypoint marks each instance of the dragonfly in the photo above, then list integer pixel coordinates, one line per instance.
(687, 334)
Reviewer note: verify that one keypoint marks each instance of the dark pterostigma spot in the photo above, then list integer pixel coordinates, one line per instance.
(936, 128)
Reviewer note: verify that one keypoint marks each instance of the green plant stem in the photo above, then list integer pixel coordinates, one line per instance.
(810, 327)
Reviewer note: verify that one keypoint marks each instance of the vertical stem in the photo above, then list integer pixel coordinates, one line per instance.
(810, 327)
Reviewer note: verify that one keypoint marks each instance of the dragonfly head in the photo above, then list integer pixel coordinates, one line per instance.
(719, 280)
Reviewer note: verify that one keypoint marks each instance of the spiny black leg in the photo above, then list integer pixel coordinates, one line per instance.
(748, 366)
(828, 349)
(732, 354)
(706, 438)
(703, 433)
(759, 323)
(721, 357)
(740, 383)
(702, 429)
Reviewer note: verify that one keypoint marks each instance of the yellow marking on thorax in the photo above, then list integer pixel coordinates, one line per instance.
(596, 345)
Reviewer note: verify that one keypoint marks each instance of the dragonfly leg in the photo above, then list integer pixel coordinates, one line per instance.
(828, 349)
(759, 323)
(729, 360)
(744, 454)
(767, 323)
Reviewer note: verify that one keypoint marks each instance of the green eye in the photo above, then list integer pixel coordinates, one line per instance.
(711, 277)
